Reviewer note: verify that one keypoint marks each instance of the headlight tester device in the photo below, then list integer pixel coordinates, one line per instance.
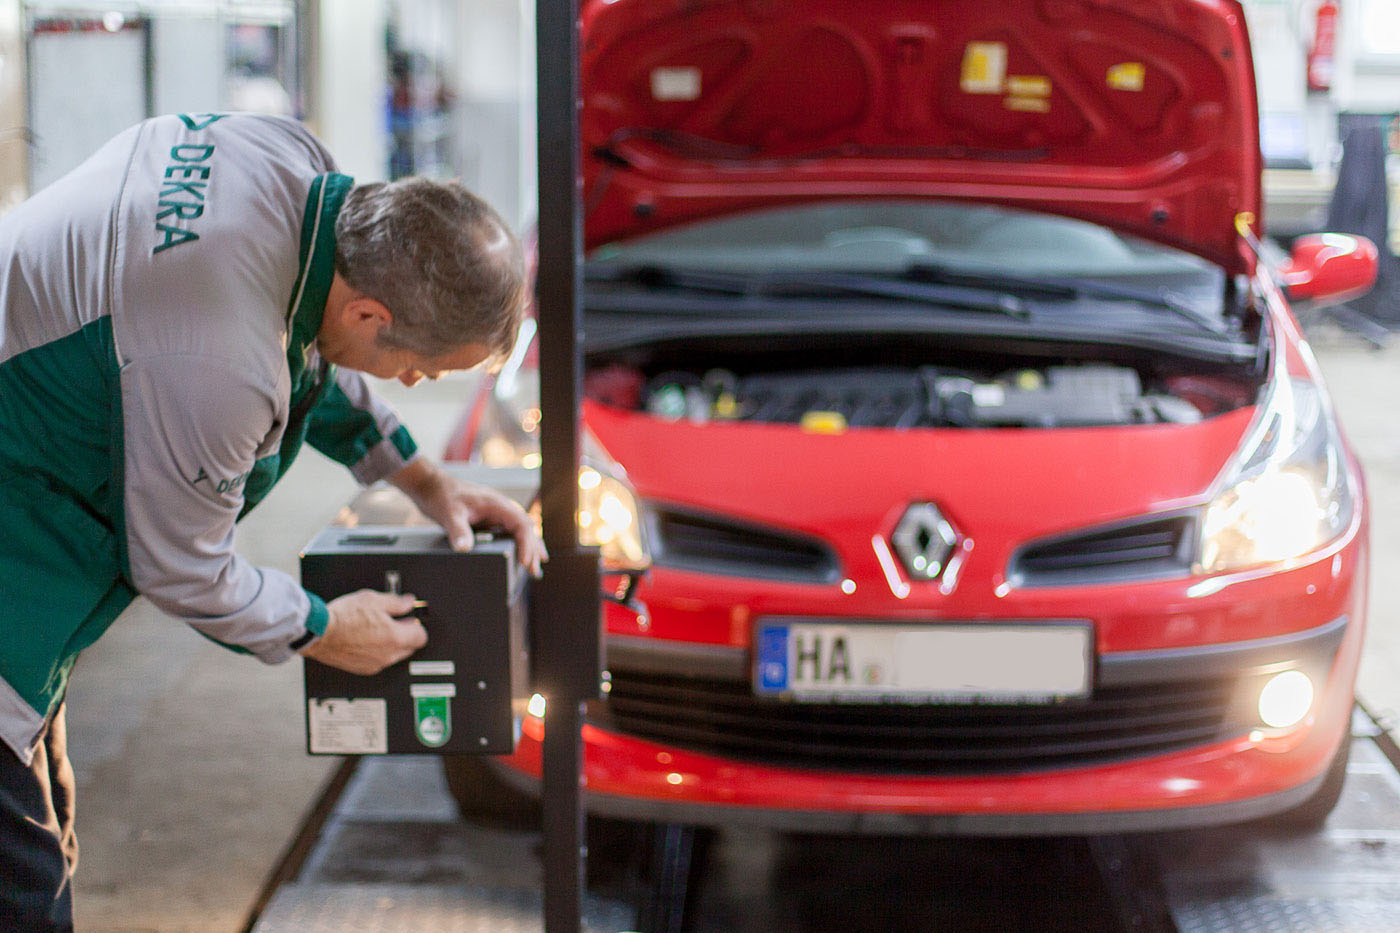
(465, 692)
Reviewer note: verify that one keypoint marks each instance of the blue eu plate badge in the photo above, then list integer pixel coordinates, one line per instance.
(773, 658)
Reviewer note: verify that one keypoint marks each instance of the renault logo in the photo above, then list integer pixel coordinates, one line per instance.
(924, 541)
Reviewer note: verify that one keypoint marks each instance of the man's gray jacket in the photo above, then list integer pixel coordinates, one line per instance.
(158, 372)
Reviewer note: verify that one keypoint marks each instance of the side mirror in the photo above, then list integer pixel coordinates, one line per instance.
(1329, 268)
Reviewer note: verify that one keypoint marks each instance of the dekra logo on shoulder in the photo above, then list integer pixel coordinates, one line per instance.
(183, 185)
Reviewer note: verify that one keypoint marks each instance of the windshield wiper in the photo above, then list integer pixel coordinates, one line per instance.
(959, 297)
(665, 278)
(814, 285)
(1065, 289)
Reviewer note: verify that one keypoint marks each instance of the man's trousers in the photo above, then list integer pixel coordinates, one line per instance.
(38, 849)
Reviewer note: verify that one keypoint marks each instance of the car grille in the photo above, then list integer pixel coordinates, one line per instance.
(710, 544)
(1141, 550)
(722, 717)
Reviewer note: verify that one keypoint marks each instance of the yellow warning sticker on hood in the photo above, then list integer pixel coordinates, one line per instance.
(1028, 86)
(1028, 104)
(824, 422)
(1127, 76)
(984, 68)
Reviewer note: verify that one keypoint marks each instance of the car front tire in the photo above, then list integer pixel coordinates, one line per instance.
(1309, 815)
(482, 797)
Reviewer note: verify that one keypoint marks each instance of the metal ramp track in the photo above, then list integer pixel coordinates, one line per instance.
(395, 857)
(409, 908)
(1345, 878)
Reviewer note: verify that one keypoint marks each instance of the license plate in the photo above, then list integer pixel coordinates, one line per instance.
(1031, 662)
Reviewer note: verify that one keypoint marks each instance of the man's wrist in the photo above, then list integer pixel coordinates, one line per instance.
(425, 483)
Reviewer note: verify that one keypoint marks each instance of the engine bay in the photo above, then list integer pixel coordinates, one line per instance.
(1023, 393)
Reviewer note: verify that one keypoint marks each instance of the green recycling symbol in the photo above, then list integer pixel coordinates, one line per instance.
(432, 713)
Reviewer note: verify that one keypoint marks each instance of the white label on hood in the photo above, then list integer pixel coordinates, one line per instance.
(984, 68)
(675, 83)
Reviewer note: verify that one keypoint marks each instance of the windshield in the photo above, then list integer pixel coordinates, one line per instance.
(889, 236)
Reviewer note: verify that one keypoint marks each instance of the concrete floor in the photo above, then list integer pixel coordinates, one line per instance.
(191, 766)
(1365, 384)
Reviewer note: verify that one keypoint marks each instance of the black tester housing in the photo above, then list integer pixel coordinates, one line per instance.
(465, 691)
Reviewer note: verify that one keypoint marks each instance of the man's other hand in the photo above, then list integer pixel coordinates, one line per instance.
(363, 636)
(459, 507)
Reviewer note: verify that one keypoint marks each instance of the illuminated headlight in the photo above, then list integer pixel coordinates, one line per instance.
(1285, 699)
(1289, 492)
(608, 518)
(1271, 518)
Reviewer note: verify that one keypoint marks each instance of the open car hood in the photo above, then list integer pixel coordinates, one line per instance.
(1137, 114)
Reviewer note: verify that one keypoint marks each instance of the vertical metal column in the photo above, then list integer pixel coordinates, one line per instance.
(565, 636)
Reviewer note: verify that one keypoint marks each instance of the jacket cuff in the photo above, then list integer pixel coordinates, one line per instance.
(317, 618)
(386, 458)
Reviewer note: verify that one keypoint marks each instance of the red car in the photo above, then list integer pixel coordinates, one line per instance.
(957, 462)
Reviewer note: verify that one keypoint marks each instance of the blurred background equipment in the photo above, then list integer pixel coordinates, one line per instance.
(1361, 204)
(93, 74)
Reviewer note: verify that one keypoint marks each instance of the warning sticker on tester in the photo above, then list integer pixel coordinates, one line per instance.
(348, 727)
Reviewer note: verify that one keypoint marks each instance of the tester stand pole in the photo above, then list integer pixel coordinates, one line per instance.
(565, 639)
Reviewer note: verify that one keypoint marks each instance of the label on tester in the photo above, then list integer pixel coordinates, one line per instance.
(348, 727)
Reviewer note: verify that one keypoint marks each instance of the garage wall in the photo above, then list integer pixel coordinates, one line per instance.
(14, 148)
(187, 62)
(87, 86)
(497, 135)
(352, 81)
(1370, 45)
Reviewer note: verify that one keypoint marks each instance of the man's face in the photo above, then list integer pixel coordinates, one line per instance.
(411, 368)
(408, 367)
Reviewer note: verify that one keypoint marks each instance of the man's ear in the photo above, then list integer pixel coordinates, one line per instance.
(366, 316)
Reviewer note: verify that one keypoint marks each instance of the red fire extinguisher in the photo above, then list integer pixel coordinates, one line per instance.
(1322, 57)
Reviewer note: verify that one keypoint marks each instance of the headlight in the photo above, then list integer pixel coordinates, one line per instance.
(1288, 492)
(609, 519)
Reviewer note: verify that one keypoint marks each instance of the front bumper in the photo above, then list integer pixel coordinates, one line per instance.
(1252, 774)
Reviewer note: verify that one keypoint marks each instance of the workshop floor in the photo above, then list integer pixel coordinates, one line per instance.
(191, 767)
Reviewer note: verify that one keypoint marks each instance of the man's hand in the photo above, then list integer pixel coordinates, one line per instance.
(458, 506)
(363, 637)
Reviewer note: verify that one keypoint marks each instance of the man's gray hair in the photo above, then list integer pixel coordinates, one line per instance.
(442, 261)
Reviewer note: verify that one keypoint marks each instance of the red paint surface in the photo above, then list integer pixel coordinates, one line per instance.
(1330, 268)
(799, 100)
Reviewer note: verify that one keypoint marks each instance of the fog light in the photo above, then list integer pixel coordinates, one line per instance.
(1285, 699)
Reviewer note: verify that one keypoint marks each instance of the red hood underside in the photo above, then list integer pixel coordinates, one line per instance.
(1138, 114)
